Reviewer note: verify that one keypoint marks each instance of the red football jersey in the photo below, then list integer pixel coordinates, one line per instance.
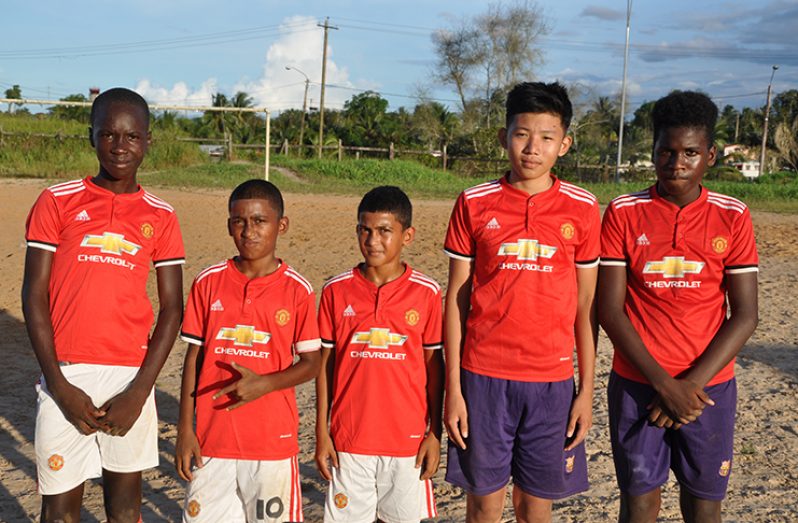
(676, 265)
(260, 324)
(103, 244)
(525, 250)
(379, 334)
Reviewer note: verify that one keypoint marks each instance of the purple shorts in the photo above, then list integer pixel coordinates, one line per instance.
(517, 429)
(699, 453)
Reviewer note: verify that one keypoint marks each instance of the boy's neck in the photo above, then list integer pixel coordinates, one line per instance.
(383, 274)
(116, 186)
(532, 187)
(256, 268)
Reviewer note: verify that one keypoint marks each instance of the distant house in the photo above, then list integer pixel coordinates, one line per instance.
(749, 168)
(743, 158)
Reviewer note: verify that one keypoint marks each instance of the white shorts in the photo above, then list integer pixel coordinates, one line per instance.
(65, 458)
(240, 490)
(367, 487)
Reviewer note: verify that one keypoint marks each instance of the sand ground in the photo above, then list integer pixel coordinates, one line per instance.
(320, 244)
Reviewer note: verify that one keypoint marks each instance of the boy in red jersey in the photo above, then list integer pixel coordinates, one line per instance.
(246, 320)
(90, 243)
(522, 275)
(382, 372)
(670, 257)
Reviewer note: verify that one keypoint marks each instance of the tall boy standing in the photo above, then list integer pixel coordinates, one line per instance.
(670, 257)
(382, 373)
(246, 320)
(90, 243)
(522, 274)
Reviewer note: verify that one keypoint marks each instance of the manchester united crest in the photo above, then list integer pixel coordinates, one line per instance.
(719, 244)
(282, 317)
(55, 462)
(147, 230)
(567, 230)
(412, 317)
(725, 467)
(340, 500)
(569, 464)
(193, 508)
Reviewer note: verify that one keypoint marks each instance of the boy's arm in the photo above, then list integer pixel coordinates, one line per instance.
(123, 409)
(586, 334)
(73, 402)
(458, 303)
(251, 385)
(684, 400)
(187, 447)
(325, 448)
(429, 453)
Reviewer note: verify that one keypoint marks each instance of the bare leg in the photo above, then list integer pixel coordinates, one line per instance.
(64, 507)
(529, 508)
(122, 496)
(640, 509)
(485, 509)
(696, 510)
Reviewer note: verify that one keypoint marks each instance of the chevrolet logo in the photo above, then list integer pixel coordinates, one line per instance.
(379, 338)
(110, 243)
(673, 267)
(243, 335)
(527, 250)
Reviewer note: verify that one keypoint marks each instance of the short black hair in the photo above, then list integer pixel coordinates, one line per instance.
(119, 95)
(388, 198)
(690, 109)
(539, 97)
(258, 190)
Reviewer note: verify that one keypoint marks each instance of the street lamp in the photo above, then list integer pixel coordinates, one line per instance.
(304, 104)
(765, 126)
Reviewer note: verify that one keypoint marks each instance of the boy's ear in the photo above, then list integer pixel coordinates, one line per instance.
(408, 235)
(282, 228)
(91, 136)
(229, 227)
(503, 137)
(713, 156)
(567, 141)
(149, 137)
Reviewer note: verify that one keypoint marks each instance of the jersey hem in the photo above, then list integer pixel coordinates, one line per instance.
(529, 378)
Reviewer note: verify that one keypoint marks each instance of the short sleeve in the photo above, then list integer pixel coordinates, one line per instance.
(193, 328)
(742, 255)
(459, 238)
(43, 226)
(612, 239)
(326, 326)
(587, 252)
(432, 337)
(169, 248)
(306, 333)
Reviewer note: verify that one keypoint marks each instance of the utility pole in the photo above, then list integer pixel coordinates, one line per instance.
(326, 27)
(623, 92)
(304, 107)
(765, 125)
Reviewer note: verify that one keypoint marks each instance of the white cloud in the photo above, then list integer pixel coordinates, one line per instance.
(300, 47)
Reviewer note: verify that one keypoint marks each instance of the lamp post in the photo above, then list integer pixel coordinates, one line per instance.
(765, 125)
(623, 92)
(304, 104)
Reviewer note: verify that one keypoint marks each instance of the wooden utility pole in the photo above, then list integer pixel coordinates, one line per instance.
(326, 27)
(765, 125)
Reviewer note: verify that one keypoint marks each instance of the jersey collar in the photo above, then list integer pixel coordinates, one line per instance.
(548, 194)
(388, 287)
(689, 208)
(241, 278)
(100, 191)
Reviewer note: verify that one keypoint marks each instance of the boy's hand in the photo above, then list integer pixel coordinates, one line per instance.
(78, 408)
(325, 455)
(580, 420)
(679, 402)
(186, 449)
(429, 455)
(250, 386)
(455, 415)
(121, 412)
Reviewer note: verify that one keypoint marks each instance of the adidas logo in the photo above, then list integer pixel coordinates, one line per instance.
(217, 306)
(642, 240)
(493, 224)
(349, 311)
(82, 216)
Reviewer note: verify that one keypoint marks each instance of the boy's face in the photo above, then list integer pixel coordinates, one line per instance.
(681, 156)
(255, 226)
(533, 142)
(381, 238)
(120, 136)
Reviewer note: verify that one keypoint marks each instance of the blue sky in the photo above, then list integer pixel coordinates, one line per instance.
(181, 51)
